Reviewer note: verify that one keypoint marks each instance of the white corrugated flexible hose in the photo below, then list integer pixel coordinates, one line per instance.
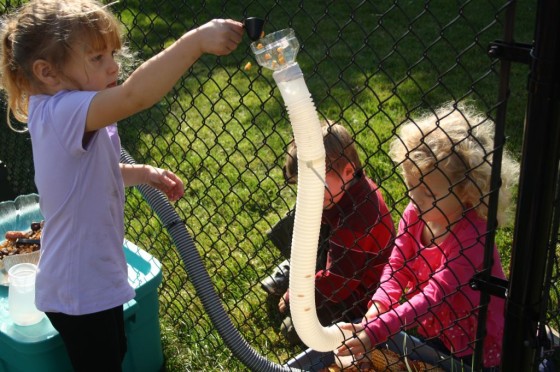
(277, 52)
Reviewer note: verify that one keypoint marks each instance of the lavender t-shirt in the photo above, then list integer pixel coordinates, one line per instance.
(82, 268)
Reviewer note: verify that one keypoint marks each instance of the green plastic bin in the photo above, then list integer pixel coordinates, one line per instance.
(39, 347)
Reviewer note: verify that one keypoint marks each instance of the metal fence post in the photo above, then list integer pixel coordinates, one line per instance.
(539, 169)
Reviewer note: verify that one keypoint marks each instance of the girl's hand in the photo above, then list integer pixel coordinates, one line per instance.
(166, 182)
(354, 327)
(374, 310)
(283, 303)
(220, 36)
(358, 344)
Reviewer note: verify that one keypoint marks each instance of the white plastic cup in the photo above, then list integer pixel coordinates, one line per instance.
(21, 295)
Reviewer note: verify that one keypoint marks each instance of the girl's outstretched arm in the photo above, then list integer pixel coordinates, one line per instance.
(156, 77)
(161, 179)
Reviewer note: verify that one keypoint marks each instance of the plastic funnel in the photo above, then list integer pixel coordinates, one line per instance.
(277, 50)
(254, 27)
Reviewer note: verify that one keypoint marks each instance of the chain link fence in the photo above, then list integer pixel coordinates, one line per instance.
(369, 65)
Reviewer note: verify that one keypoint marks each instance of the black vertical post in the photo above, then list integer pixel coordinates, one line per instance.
(539, 168)
(495, 183)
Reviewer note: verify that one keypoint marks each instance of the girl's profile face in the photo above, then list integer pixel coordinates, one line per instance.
(435, 197)
(91, 70)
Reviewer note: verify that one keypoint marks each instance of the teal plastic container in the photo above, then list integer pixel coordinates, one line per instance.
(39, 347)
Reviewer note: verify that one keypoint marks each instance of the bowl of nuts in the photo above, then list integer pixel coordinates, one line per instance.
(21, 246)
(22, 235)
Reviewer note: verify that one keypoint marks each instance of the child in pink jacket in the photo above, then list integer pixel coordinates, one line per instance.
(446, 162)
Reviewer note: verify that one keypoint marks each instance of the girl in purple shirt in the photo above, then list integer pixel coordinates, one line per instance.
(446, 161)
(61, 75)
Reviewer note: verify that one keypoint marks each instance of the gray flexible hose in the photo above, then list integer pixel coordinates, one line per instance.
(200, 278)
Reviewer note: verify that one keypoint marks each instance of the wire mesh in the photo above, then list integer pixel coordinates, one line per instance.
(369, 65)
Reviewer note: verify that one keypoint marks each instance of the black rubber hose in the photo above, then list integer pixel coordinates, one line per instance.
(200, 278)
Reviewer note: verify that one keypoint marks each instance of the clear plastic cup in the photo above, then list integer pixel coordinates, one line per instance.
(21, 295)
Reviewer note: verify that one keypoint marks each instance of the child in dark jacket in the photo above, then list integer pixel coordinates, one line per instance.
(360, 230)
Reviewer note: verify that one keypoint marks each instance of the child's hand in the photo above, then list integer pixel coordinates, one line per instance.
(358, 344)
(354, 327)
(374, 310)
(166, 182)
(283, 303)
(220, 36)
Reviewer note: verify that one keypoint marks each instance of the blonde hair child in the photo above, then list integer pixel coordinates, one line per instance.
(446, 161)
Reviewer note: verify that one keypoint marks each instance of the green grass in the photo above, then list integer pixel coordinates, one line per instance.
(224, 131)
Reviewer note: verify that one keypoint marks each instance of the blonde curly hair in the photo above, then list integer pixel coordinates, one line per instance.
(459, 141)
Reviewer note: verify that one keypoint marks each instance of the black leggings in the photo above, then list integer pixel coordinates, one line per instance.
(95, 342)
